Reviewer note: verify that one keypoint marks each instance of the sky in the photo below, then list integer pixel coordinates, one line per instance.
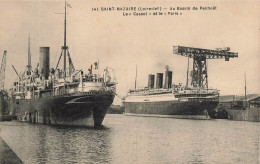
(124, 42)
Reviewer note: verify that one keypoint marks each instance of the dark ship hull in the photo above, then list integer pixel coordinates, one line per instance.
(196, 110)
(84, 109)
(166, 105)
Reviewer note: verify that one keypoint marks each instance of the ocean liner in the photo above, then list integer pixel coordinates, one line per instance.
(194, 100)
(62, 96)
(175, 101)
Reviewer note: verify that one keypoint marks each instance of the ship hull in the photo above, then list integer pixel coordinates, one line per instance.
(175, 109)
(250, 114)
(86, 109)
(168, 106)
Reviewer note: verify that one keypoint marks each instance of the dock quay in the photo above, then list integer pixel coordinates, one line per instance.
(7, 155)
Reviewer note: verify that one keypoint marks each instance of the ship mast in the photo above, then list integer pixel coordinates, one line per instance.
(135, 76)
(29, 54)
(245, 92)
(65, 47)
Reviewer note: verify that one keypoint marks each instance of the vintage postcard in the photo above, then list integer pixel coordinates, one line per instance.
(132, 81)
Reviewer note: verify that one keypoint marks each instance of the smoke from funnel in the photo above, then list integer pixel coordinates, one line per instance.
(167, 67)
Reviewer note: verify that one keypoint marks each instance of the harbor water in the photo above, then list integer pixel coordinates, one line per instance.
(129, 139)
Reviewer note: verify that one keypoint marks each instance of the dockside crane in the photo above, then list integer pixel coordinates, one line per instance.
(2, 71)
(3, 94)
(199, 73)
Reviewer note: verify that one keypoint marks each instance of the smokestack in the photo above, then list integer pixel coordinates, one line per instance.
(159, 80)
(151, 81)
(168, 79)
(44, 61)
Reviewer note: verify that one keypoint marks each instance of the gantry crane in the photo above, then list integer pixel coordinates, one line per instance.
(2, 71)
(200, 56)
